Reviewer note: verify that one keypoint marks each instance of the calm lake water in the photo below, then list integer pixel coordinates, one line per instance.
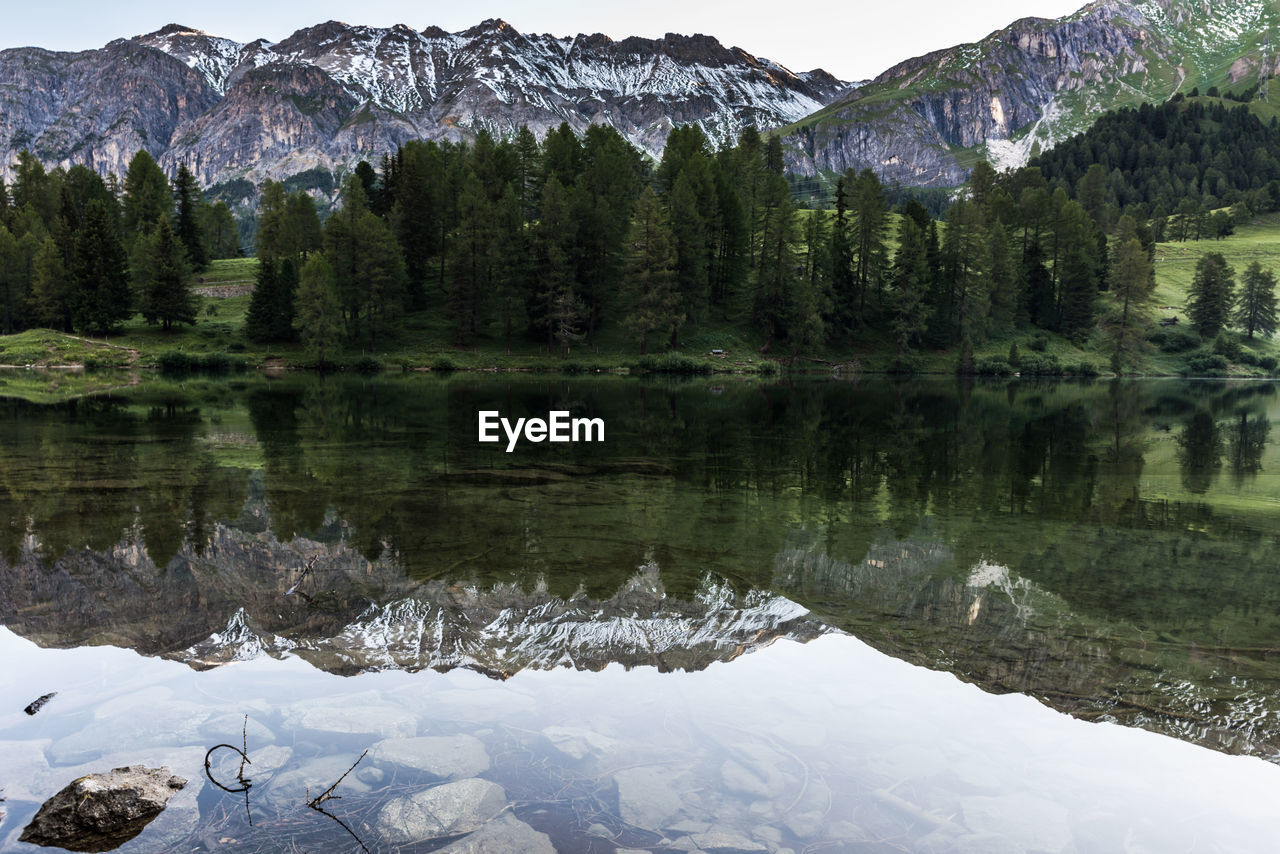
(820, 616)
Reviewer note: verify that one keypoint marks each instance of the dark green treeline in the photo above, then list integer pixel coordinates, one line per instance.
(80, 253)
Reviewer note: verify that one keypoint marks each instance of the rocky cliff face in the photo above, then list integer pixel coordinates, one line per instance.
(333, 94)
(1032, 84)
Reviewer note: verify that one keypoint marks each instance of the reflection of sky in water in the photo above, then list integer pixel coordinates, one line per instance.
(824, 741)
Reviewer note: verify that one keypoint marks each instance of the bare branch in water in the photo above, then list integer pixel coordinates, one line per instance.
(310, 563)
(328, 794)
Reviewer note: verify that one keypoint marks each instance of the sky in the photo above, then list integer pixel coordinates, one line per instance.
(852, 40)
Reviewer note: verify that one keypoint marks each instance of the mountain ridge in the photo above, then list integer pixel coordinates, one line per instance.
(378, 87)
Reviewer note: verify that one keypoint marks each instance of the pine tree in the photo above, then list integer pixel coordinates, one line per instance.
(381, 276)
(269, 242)
(1212, 294)
(1131, 294)
(189, 204)
(909, 285)
(650, 277)
(220, 231)
(469, 269)
(147, 197)
(1256, 308)
(34, 187)
(50, 299)
(318, 312)
(553, 271)
(165, 297)
(13, 284)
(300, 231)
(259, 320)
(776, 271)
(99, 270)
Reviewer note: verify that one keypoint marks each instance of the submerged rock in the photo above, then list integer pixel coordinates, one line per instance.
(443, 757)
(504, 835)
(725, 840)
(448, 810)
(101, 812)
(646, 797)
(578, 744)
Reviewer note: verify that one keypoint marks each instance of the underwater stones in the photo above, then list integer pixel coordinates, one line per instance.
(261, 767)
(754, 772)
(298, 785)
(450, 809)
(442, 757)
(646, 797)
(724, 840)
(231, 728)
(504, 835)
(100, 812)
(578, 744)
(156, 725)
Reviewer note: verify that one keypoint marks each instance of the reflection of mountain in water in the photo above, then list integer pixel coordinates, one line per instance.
(989, 626)
(232, 600)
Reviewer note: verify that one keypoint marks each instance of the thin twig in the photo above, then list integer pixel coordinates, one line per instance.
(328, 794)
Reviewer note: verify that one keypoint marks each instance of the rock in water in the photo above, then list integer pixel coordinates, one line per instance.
(449, 810)
(101, 812)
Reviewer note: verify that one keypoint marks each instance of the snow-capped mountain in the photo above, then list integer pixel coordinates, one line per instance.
(330, 95)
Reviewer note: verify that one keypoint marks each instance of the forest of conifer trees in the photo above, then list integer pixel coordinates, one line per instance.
(556, 242)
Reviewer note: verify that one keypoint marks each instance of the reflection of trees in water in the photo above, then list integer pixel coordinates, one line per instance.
(1247, 442)
(1199, 452)
(392, 464)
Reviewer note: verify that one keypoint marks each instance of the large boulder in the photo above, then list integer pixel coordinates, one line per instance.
(452, 809)
(101, 812)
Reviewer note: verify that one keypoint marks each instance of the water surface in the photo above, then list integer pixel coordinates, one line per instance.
(757, 595)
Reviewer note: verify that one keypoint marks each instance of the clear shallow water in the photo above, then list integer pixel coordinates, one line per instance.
(671, 599)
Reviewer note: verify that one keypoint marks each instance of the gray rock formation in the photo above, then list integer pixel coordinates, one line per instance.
(101, 812)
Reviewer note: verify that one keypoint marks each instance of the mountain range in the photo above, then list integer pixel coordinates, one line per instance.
(332, 94)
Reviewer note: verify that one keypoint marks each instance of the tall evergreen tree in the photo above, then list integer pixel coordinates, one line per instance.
(650, 277)
(14, 284)
(552, 300)
(147, 197)
(1131, 293)
(50, 299)
(319, 313)
(165, 297)
(1212, 294)
(220, 230)
(868, 227)
(99, 270)
(189, 203)
(776, 271)
(1256, 308)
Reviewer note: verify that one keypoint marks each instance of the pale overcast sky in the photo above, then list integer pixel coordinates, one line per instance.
(852, 40)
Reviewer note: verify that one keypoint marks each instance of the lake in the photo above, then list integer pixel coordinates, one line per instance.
(818, 615)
